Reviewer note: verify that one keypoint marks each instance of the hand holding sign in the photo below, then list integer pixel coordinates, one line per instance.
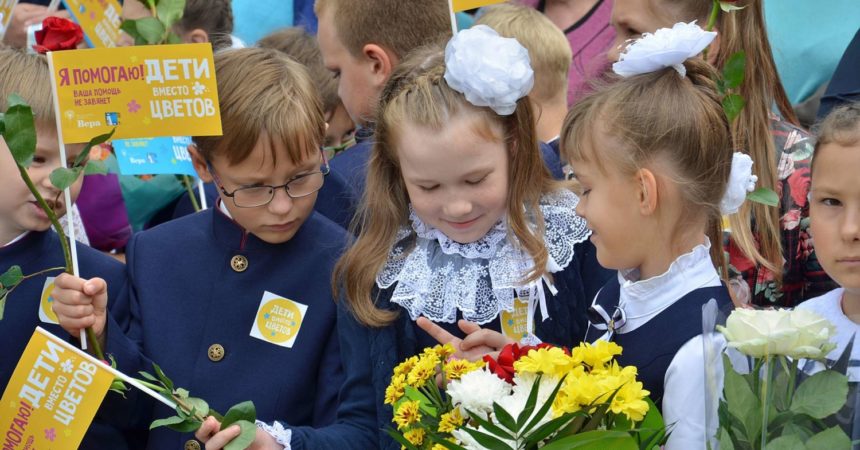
(80, 303)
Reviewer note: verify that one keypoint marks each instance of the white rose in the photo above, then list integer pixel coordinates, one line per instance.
(796, 334)
(666, 47)
(476, 391)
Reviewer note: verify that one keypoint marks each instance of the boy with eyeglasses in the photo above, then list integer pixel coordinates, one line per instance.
(234, 303)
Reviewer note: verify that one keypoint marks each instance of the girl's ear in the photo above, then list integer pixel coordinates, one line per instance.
(200, 164)
(648, 194)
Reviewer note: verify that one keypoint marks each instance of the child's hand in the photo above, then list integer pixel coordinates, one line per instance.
(211, 434)
(80, 303)
(477, 343)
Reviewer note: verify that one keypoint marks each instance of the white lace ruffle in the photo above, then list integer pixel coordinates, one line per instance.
(276, 430)
(436, 276)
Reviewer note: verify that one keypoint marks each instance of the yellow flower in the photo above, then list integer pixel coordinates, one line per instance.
(597, 355)
(406, 366)
(407, 414)
(395, 390)
(456, 368)
(423, 370)
(450, 421)
(442, 352)
(415, 436)
(550, 361)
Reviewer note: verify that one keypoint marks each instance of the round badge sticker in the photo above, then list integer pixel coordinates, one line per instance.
(46, 313)
(279, 320)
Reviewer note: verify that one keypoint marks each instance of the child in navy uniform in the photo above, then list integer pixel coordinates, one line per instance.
(26, 237)
(235, 303)
(653, 155)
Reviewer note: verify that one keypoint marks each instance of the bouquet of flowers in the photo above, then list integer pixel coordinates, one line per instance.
(774, 404)
(529, 397)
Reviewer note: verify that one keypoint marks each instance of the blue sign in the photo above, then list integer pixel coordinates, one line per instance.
(154, 156)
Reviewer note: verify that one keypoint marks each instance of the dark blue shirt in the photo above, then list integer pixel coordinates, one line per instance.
(35, 252)
(196, 286)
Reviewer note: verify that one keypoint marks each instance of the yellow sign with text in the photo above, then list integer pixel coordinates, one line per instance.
(100, 20)
(52, 396)
(6, 8)
(146, 91)
(515, 323)
(465, 5)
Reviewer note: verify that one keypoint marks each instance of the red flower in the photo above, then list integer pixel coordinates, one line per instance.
(58, 34)
(511, 353)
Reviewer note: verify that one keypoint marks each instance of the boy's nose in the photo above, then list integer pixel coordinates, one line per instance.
(281, 203)
(850, 228)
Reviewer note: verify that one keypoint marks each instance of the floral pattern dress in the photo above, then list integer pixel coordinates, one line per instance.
(803, 277)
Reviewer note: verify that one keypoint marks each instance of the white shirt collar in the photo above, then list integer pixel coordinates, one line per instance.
(642, 300)
(20, 236)
(223, 208)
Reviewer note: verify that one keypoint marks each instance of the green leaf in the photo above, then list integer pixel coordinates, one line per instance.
(98, 140)
(545, 408)
(594, 440)
(173, 39)
(831, 438)
(11, 277)
(170, 11)
(543, 431)
(242, 411)
(444, 442)
(732, 105)
(821, 395)
(424, 403)
(172, 420)
(742, 402)
(63, 177)
(148, 376)
(189, 425)
(786, 442)
(725, 440)
(96, 168)
(182, 393)
(764, 196)
(146, 31)
(246, 437)
(16, 100)
(729, 7)
(486, 441)
(733, 70)
(197, 405)
(2, 124)
(20, 132)
(400, 439)
(530, 403)
(489, 426)
(504, 418)
(162, 377)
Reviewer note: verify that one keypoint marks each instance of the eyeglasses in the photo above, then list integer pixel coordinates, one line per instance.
(333, 150)
(256, 196)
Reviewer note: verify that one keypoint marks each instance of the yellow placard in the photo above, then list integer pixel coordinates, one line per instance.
(465, 5)
(52, 396)
(100, 20)
(46, 311)
(6, 7)
(145, 91)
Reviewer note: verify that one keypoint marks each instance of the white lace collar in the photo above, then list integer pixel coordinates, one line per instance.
(642, 300)
(436, 276)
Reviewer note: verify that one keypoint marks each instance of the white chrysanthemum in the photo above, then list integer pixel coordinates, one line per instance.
(488, 69)
(741, 181)
(666, 47)
(476, 391)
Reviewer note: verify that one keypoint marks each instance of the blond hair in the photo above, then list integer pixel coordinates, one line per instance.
(215, 17)
(417, 93)
(663, 118)
(28, 76)
(282, 101)
(745, 30)
(300, 45)
(548, 48)
(398, 26)
(841, 126)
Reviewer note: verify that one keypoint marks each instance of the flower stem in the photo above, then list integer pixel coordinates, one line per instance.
(712, 20)
(186, 181)
(67, 253)
(766, 399)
